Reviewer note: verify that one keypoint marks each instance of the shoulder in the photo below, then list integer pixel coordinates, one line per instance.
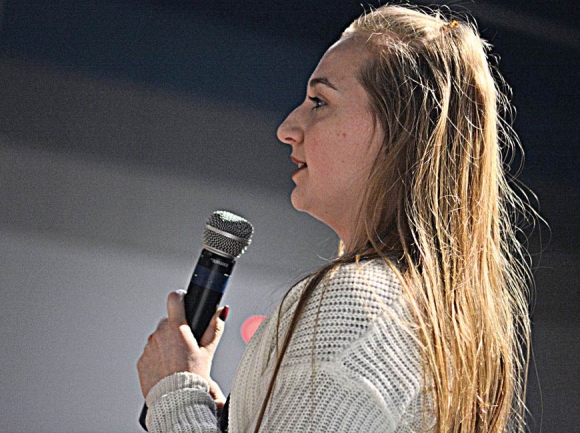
(344, 307)
(359, 329)
(371, 281)
(361, 290)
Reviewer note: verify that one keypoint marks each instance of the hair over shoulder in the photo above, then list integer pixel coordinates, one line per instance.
(440, 207)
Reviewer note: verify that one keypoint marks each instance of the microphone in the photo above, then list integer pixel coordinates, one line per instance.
(225, 238)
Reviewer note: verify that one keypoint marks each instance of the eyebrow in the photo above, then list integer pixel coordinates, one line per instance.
(321, 80)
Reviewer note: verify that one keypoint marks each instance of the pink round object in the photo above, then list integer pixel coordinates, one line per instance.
(250, 326)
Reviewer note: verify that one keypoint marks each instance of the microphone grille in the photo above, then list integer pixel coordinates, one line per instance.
(227, 234)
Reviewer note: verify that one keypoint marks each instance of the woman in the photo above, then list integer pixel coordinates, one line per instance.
(421, 322)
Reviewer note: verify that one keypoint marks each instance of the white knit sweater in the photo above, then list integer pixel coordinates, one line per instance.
(352, 366)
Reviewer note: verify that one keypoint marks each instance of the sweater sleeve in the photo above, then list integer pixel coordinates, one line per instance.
(324, 401)
(374, 385)
(181, 403)
(353, 363)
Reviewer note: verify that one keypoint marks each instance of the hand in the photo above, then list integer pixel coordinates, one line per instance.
(218, 397)
(172, 348)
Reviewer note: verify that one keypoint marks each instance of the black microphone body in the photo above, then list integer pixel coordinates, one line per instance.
(206, 289)
(225, 238)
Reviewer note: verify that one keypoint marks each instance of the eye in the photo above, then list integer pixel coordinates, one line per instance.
(317, 102)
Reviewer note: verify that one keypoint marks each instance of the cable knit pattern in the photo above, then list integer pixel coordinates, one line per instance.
(352, 365)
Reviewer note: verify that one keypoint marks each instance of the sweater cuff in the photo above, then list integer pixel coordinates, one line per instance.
(173, 383)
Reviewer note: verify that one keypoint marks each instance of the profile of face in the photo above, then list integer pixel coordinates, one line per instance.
(334, 139)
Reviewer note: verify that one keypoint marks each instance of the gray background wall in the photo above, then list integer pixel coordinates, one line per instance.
(124, 124)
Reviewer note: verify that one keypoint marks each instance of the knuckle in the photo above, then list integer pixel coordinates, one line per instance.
(162, 323)
(219, 331)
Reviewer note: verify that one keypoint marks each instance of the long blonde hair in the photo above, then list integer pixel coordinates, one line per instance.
(438, 200)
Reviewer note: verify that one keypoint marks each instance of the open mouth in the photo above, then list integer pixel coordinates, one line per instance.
(301, 165)
(300, 168)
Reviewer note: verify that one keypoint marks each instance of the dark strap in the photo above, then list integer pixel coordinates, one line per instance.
(224, 424)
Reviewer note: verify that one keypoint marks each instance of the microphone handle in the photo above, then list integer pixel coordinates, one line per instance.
(206, 288)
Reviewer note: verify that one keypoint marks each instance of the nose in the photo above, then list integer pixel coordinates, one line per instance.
(290, 132)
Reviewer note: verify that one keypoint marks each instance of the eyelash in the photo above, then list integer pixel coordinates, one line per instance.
(318, 103)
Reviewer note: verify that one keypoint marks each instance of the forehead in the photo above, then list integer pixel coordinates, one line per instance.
(342, 61)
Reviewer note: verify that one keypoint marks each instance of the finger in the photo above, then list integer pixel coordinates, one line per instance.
(175, 308)
(215, 329)
(218, 396)
(159, 329)
(224, 314)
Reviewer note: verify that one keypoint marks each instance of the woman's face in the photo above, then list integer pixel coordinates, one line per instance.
(334, 140)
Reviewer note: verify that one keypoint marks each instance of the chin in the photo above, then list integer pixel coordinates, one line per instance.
(297, 201)
(302, 205)
(302, 202)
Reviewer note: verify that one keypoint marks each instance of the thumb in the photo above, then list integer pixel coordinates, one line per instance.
(213, 334)
(175, 308)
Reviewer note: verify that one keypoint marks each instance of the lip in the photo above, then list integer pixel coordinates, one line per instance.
(297, 161)
(301, 165)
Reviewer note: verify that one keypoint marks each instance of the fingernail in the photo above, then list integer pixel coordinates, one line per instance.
(224, 313)
(181, 292)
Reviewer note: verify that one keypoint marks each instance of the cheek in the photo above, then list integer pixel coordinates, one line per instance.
(343, 151)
